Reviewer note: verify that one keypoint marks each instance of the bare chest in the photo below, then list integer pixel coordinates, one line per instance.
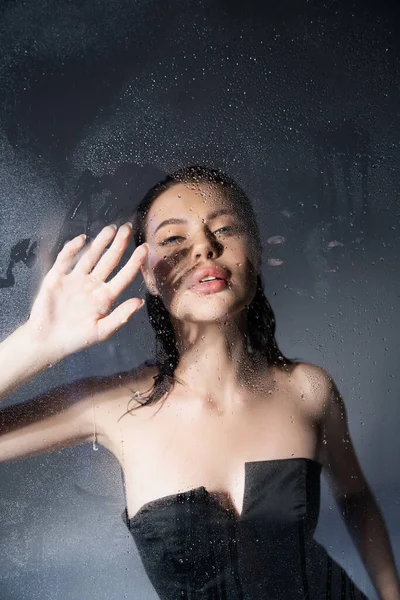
(183, 446)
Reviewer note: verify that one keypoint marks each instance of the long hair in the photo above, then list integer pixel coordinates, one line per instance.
(259, 314)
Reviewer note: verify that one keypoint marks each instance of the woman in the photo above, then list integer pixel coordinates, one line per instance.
(221, 439)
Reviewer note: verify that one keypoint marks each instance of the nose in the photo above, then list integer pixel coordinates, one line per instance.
(206, 245)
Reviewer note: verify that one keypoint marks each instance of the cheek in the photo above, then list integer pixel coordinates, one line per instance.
(161, 269)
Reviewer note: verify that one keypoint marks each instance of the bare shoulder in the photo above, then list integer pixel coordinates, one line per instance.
(70, 414)
(316, 386)
(337, 453)
(114, 395)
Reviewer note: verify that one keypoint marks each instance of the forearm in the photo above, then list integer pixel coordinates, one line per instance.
(365, 523)
(22, 356)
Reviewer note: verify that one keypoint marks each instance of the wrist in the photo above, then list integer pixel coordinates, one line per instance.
(45, 353)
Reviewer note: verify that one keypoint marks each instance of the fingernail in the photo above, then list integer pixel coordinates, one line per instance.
(129, 223)
(114, 226)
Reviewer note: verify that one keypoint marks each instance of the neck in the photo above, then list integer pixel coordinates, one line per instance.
(215, 361)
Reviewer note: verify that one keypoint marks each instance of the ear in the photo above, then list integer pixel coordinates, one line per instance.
(149, 280)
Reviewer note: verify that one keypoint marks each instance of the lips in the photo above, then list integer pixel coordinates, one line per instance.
(199, 274)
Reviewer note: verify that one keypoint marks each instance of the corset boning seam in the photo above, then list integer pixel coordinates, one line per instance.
(233, 542)
(329, 578)
(213, 592)
(303, 565)
(342, 585)
(301, 536)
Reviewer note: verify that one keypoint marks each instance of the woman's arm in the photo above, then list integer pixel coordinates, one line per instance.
(61, 418)
(22, 356)
(71, 312)
(361, 513)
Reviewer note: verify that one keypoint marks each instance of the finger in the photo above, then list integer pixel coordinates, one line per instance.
(111, 258)
(128, 273)
(65, 257)
(119, 316)
(96, 248)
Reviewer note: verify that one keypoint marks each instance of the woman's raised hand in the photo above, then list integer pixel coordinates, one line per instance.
(72, 308)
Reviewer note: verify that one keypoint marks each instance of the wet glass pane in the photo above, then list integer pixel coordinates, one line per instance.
(264, 460)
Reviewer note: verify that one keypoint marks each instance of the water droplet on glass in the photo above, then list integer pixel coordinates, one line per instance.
(276, 239)
(275, 262)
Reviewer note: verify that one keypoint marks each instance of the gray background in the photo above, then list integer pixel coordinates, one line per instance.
(299, 102)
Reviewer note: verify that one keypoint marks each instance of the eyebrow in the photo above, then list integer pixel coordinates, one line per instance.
(210, 216)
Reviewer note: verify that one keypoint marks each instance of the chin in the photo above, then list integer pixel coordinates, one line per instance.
(207, 310)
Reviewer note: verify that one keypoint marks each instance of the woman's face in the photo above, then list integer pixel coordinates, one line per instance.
(210, 233)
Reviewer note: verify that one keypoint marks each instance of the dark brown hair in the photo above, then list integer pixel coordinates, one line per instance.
(260, 316)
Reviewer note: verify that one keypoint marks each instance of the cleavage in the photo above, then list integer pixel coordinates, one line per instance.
(226, 502)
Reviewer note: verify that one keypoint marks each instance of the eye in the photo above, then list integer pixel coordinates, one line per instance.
(167, 241)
